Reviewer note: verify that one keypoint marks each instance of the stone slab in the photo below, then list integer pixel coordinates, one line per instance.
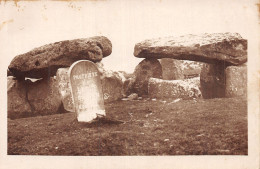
(45, 60)
(185, 89)
(230, 48)
(86, 90)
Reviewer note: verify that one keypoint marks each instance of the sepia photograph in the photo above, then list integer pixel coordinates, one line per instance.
(129, 84)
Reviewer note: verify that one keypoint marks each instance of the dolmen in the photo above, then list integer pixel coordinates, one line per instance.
(39, 83)
(190, 66)
(222, 69)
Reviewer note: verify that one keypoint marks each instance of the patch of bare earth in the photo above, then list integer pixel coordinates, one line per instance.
(187, 127)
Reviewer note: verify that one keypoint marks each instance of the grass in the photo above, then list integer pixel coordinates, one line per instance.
(187, 127)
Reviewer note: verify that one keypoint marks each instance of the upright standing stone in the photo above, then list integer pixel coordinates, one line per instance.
(112, 83)
(17, 102)
(146, 69)
(236, 81)
(86, 90)
(213, 81)
(64, 88)
(43, 96)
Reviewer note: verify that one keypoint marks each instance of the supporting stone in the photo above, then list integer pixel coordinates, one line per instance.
(236, 81)
(143, 72)
(44, 97)
(112, 83)
(17, 102)
(212, 81)
(64, 89)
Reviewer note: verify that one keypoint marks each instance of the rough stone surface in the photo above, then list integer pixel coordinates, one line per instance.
(65, 89)
(210, 48)
(112, 83)
(212, 81)
(128, 86)
(185, 89)
(44, 97)
(191, 68)
(45, 60)
(18, 105)
(143, 72)
(236, 81)
(112, 88)
(171, 69)
(109, 73)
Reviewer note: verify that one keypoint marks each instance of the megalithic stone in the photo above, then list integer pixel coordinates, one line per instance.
(86, 90)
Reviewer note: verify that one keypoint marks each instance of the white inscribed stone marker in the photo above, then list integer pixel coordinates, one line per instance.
(86, 90)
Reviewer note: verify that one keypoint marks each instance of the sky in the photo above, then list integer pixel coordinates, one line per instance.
(29, 24)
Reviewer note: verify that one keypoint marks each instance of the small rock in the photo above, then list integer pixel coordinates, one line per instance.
(133, 96)
(200, 135)
(176, 100)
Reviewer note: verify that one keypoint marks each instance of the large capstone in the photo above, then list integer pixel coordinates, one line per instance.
(44, 61)
(236, 81)
(143, 72)
(185, 89)
(230, 48)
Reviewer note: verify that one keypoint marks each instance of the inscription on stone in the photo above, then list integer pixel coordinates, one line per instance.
(86, 90)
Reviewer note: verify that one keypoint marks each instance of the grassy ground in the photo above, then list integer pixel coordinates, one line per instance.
(187, 127)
